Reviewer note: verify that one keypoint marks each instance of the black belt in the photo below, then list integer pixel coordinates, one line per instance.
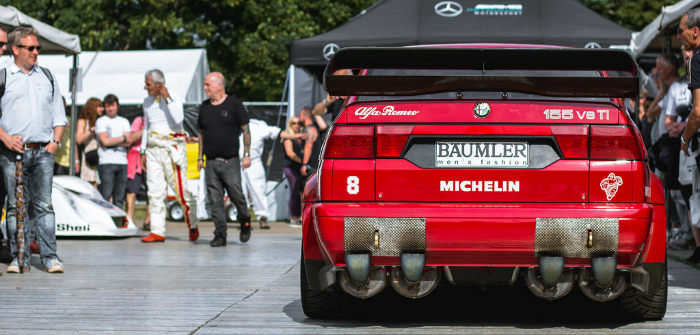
(224, 159)
(35, 145)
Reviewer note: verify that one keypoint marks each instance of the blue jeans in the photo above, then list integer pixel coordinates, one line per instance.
(113, 177)
(37, 165)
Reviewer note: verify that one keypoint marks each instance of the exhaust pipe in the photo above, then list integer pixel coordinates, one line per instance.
(601, 282)
(551, 280)
(551, 269)
(604, 270)
(412, 266)
(358, 266)
(426, 283)
(375, 283)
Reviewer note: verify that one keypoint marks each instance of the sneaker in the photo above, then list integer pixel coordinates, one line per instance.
(263, 223)
(218, 241)
(153, 238)
(295, 223)
(34, 247)
(694, 258)
(194, 234)
(53, 266)
(682, 244)
(14, 266)
(245, 232)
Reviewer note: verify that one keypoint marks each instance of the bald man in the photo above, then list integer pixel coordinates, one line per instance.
(221, 118)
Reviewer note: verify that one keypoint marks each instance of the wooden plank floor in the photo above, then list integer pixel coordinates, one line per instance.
(126, 287)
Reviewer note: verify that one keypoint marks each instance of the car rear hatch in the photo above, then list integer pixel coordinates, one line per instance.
(492, 149)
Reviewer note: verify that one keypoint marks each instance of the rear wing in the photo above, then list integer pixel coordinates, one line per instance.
(484, 59)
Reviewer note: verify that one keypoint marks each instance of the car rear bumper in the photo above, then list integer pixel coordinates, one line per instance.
(485, 234)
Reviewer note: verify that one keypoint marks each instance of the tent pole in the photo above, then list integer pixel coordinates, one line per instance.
(73, 112)
(279, 117)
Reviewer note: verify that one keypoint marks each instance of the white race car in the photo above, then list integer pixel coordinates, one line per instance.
(81, 211)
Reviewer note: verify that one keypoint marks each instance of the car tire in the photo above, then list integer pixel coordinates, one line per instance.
(639, 305)
(321, 304)
(175, 212)
(231, 214)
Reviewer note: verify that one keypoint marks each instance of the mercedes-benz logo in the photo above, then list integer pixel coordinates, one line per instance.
(329, 50)
(592, 45)
(448, 9)
(482, 109)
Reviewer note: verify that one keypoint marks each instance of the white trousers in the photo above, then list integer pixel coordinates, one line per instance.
(254, 185)
(166, 165)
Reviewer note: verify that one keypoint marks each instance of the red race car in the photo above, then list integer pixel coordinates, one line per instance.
(484, 165)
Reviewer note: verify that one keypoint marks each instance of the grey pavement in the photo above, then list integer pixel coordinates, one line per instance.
(123, 286)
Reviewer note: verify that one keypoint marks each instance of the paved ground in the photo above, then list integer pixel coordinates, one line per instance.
(126, 287)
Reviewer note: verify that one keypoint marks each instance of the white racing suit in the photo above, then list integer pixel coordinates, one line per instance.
(253, 178)
(166, 162)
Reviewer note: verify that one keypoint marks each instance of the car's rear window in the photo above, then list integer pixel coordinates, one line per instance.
(480, 95)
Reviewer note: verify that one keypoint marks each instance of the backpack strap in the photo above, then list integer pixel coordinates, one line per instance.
(48, 75)
(3, 79)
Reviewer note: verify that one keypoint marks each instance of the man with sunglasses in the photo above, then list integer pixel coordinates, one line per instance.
(32, 123)
(689, 35)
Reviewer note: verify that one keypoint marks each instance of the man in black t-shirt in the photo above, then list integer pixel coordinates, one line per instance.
(221, 118)
(689, 34)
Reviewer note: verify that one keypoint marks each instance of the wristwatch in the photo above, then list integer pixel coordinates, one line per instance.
(683, 141)
(57, 142)
(142, 151)
(246, 154)
(124, 136)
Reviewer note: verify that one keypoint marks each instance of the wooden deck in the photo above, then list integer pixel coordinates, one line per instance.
(126, 287)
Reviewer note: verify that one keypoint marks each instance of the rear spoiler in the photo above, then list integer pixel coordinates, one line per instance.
(484, 59)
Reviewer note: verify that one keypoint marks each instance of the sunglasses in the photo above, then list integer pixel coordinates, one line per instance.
(30, 48)
(2, 44)
(294, 122)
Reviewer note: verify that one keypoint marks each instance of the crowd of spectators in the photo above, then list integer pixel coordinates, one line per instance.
(663, 119)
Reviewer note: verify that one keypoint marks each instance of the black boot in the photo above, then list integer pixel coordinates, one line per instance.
(218, 241)
(245, 232)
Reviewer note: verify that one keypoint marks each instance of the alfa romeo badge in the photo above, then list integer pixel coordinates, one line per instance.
(482, 109)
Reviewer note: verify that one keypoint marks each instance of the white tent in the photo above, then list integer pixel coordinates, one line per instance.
(122, 73)
(52, 40)
(668, 20)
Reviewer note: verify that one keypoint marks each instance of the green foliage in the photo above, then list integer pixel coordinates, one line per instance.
(247, 40)
(634, 15)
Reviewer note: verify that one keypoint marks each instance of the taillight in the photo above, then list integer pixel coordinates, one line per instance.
(392, 139)
(573, 140)
(615, 142)
(350, 142)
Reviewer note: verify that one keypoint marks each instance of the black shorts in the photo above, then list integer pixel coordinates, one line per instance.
(137, 185)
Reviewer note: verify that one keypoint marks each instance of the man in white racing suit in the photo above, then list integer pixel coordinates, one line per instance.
(163, 154)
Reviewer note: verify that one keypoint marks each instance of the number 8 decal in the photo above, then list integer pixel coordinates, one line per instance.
(353, 185)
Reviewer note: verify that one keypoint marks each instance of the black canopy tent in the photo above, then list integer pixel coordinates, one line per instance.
(418, 22)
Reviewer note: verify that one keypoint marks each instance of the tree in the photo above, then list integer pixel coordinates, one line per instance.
(247, 40)
(634, 15)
